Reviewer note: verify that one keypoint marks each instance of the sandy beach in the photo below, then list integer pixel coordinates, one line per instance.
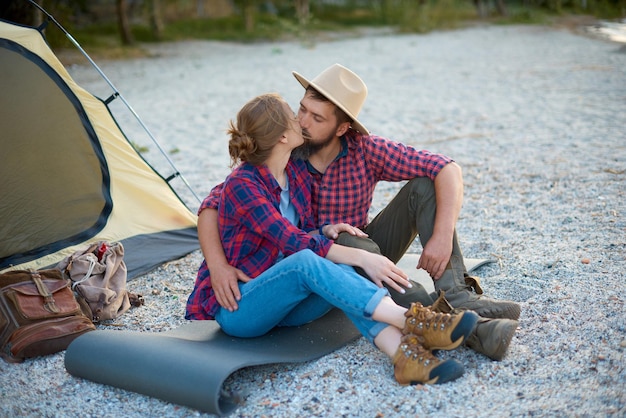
(535, 116)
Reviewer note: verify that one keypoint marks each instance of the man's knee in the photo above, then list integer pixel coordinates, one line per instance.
(366, 244)
(417, 293)
(421, 186)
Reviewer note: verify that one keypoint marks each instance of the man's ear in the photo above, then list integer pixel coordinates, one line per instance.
(342, 128)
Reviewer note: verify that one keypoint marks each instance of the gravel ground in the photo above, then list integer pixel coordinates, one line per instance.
(535, 116)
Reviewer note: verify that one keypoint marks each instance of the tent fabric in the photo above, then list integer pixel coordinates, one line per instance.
(69, 175)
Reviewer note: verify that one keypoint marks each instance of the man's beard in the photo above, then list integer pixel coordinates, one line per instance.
(308, 148)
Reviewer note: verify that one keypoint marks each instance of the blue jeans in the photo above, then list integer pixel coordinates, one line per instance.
(299, 289)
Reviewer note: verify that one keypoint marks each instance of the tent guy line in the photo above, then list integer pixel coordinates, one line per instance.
(116, 94)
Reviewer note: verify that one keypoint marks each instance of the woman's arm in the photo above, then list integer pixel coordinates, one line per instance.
(224, 277)
(377, 267)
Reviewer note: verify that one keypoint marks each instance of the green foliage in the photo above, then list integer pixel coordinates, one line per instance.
(342, 16)
(524, 16)
(232, 28)
(435, 15)
(272, 20)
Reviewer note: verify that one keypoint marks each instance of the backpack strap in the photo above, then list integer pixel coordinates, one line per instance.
(48, 299)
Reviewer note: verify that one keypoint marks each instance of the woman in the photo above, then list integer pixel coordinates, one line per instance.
(263, 218)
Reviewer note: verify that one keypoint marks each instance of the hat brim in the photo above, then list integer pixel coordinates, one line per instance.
(355, 122)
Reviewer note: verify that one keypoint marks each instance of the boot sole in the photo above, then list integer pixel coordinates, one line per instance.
(447, 371)
(513, 312)
(504, 345)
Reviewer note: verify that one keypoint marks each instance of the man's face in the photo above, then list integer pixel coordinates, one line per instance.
(318, 122)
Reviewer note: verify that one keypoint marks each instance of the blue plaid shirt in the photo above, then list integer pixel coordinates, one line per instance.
(252, 229)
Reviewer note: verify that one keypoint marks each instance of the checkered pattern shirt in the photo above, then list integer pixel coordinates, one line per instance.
(252, 229)
(344, 192)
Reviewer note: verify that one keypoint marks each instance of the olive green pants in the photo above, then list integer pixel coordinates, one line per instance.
(391, 233)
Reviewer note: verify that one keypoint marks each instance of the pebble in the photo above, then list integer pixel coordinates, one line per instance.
(529, 112)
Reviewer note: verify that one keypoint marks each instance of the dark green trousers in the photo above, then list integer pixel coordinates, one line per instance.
(391, 233)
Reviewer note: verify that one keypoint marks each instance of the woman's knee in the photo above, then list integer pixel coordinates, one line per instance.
(304, 261)
(302, 257)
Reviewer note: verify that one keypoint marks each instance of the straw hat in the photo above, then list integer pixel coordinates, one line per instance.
(342, 87)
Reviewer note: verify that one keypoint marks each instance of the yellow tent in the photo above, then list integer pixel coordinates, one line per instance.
(68, 174)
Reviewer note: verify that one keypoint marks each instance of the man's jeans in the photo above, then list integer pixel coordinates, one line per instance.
(411, 212)
(299, 289)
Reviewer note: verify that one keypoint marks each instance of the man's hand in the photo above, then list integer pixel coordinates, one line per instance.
(449, 195)
(333, 231)
(435, 256)
(224, 280)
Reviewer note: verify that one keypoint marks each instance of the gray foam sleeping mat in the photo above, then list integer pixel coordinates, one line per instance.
(189, 365)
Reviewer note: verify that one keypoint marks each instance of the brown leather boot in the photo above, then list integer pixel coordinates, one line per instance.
(464, 292)
(490, 337)
(436, 330)
(414, 364)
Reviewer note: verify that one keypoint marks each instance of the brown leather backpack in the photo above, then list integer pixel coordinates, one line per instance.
(39, 314)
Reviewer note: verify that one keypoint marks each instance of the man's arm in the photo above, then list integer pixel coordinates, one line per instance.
(449, 195)
(224, 277)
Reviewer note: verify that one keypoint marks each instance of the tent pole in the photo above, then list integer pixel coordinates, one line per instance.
(117, 93)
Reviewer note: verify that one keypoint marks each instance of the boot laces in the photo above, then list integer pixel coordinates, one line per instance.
(423, 318)
(414, 351)
(441, 304)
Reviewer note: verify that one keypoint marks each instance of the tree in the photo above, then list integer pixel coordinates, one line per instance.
(302, 11)
(156, 21)
(123, 22)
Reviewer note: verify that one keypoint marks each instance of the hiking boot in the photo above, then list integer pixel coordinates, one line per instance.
(464, 292)
(436, 330)
(490, 336)
(413, 364)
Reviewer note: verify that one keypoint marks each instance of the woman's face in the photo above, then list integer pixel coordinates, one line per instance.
(294, 133)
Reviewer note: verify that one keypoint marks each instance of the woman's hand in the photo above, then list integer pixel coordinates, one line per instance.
(381, 270)
(333, 231)
(224, 280)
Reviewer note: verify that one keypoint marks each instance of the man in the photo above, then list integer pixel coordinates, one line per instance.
(345, 163)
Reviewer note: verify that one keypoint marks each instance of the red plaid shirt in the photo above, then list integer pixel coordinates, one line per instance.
(252, 229)
(345, 191)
